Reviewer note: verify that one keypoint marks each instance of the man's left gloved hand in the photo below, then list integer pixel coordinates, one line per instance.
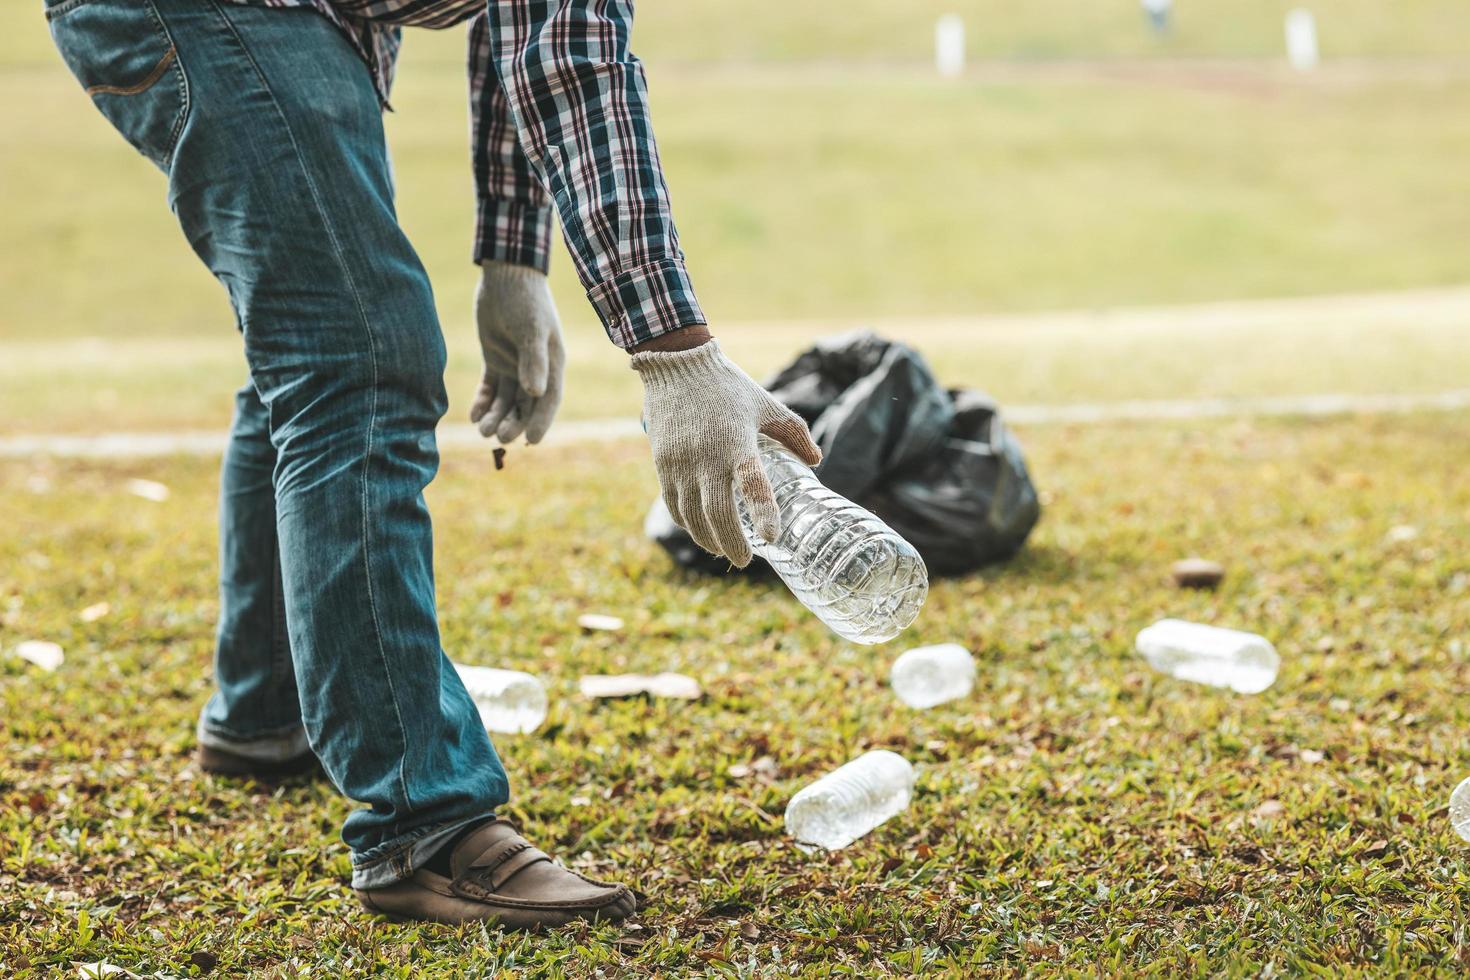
(520, 335)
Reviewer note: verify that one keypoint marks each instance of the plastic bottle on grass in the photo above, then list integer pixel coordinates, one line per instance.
(926, 676)
(848, 802)
(509, 700)
(1243, 662)
(849, 568)
(1460, 809)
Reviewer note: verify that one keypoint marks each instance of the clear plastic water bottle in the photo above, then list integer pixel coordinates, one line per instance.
(1460, 809)
(509, 700)
(1244, 662)
(849, 568)
(926, 676)
(848, 802)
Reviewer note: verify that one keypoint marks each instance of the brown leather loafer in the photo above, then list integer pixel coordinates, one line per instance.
(219, 762)
(497, 876)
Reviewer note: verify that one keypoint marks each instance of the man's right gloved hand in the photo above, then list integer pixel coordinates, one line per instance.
(525, 360)
(702, 414)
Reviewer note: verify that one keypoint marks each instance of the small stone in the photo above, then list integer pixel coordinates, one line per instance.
(597, 621)
(1197, 573)
(42, 653)
(1312, 756)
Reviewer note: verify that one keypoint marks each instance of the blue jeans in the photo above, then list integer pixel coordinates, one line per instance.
(268, 127)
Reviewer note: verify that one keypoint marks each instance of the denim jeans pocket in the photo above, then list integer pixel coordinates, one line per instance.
(121, 52)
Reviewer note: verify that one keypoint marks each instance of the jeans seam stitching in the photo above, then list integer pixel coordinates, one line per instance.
(183, 85)
(310, 184)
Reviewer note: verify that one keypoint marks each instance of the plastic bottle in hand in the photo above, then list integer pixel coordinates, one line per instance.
(1243, 662)
(848, 802)
(509, 700)
(849, 568)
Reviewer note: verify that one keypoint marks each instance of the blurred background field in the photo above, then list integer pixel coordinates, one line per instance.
(825, 178)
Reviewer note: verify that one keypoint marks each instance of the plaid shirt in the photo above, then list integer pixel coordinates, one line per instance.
(559, 110)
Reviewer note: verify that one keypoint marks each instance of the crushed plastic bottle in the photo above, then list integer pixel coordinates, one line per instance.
(1243, 662)
(849, 568)
(850, 801)
(1460, 809)
(509, 700)
(926, 676)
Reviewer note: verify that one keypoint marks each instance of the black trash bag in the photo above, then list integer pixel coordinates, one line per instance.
(940, 467)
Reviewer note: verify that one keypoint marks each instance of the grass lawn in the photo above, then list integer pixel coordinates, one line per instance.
(1077, 812)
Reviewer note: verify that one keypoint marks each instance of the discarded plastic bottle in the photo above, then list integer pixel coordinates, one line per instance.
(1460, 809)
(849, 568)
(1244, 662)
(509, 700)
(926, 676)
(848, 802)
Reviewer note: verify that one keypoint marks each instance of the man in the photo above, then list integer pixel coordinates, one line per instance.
(265, 116)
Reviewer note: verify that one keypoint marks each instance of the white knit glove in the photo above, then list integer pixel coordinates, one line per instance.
(702, 414)
(520, 336)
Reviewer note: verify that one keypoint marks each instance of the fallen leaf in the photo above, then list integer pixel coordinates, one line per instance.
(1375, 850)
(924, 852)
(204, 960)
(750, 930)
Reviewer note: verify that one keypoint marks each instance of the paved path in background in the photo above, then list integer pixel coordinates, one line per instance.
(131, 445)
(1450, 306)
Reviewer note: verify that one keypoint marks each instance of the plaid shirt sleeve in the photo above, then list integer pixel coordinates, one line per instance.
(580, 105)
(561, 105)
(514, 215)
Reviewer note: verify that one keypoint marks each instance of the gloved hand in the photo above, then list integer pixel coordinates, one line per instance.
(520, 336)
(702, 414)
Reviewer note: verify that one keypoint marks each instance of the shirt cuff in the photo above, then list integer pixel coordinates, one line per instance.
(645, 302)
(514, 232)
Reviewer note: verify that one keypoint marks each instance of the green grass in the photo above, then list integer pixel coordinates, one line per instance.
(1076, 812)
